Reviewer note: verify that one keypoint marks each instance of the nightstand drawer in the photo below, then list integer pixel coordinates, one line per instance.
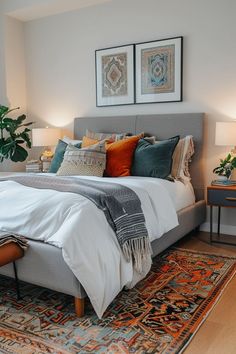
(222, 197)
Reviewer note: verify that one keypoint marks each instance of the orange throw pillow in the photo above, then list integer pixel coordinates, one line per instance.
(88, 141)
(120, 157)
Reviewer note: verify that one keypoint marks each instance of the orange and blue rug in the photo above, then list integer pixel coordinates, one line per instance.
(160, 315)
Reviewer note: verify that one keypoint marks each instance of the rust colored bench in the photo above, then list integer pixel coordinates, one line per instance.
(10, 253)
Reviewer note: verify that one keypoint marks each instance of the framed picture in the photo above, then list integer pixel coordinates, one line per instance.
(158, 73)
(115, 76)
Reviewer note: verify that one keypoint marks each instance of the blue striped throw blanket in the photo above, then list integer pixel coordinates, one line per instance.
(120, 205)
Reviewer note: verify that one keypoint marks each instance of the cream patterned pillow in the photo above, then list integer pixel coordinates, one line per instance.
(182, 157)
(89, 161)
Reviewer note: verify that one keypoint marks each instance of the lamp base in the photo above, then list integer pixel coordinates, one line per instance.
(46, 159)
(46, 165)
(221, 178)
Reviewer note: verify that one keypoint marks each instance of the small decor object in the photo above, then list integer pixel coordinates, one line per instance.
(13, 133)
(46, 163)
(46, 137)
(115, 75)
(225, 168)
(159, 71)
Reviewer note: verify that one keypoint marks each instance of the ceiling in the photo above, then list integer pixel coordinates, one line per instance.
(27, 10)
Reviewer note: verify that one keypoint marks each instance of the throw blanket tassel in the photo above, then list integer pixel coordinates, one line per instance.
(138, 250)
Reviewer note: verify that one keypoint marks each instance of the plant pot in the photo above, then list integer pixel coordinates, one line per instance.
(222, 178)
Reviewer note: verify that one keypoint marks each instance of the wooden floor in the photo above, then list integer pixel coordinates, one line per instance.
(217, 335)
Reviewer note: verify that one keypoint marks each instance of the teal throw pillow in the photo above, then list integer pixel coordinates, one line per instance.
(59, 155)
(154, 160)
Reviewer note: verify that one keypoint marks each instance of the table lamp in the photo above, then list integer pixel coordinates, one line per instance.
(46, 137)
(226, 134)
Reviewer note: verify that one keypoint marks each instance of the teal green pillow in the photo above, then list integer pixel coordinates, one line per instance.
(59, 155)
(154, 160)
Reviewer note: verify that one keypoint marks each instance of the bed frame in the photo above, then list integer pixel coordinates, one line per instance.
(43, 264)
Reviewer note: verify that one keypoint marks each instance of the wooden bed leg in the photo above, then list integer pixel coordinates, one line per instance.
(79, 306)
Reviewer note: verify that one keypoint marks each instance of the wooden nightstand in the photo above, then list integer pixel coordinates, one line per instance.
(220, 196)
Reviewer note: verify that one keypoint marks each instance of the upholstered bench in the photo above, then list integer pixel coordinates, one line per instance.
(10, 252)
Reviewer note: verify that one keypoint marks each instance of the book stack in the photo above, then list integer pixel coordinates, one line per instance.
(223, 183)
(34, 166)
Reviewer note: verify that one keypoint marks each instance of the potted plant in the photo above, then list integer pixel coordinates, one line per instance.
(226, 167)
(13, 134)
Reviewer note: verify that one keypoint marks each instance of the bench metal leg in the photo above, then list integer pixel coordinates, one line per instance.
(16, 281)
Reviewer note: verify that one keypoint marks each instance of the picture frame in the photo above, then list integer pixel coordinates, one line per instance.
(115, 76)
(158, 72)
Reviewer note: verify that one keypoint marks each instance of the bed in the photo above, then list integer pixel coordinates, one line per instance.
(43, 263)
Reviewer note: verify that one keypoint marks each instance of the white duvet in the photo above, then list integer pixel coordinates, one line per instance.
(73, 223)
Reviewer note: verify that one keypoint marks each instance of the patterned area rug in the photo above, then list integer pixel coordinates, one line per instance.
(160, 315)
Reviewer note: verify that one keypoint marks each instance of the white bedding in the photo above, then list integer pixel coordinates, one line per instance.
(182, 194)
(76, 225)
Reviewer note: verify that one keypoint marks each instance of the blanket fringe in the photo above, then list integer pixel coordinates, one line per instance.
(138, 250)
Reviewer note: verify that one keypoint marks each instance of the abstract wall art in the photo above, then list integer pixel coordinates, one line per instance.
(115, 75)
(158, 72)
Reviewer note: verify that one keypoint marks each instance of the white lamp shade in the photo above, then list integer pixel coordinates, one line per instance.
(45, 136)
(225, 133)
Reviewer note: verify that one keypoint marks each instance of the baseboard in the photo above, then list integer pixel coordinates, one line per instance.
(224, 229)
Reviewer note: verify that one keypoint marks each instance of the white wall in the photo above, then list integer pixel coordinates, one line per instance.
(60, 58)
(15, 63)
(60, 67)
(27, 10)
(2, 60)
(13, 74)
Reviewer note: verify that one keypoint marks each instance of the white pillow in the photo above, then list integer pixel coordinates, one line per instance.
(182, 157)
(68, 141)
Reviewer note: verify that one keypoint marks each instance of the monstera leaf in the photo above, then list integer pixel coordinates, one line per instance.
(13, 134)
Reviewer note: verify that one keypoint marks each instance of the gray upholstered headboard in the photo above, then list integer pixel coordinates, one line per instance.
(163, 126)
